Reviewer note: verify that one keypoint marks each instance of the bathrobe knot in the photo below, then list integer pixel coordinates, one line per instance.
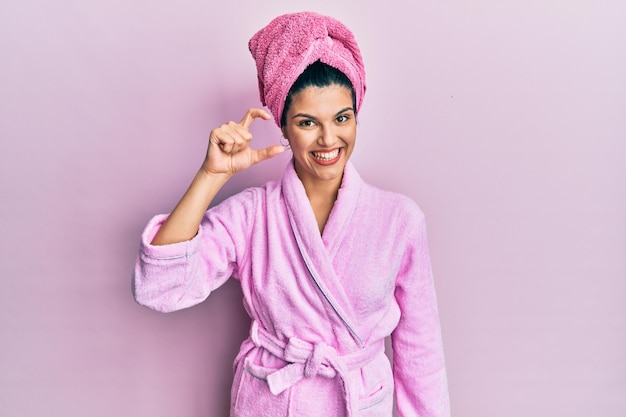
(307, 360)
(316, 361)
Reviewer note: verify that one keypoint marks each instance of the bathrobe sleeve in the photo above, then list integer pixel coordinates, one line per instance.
(180, 275)
(418, 360)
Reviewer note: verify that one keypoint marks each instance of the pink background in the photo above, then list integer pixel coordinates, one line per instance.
(505, 120)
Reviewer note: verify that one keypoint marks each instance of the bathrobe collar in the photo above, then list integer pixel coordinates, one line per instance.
(318, 252)
(339, 220)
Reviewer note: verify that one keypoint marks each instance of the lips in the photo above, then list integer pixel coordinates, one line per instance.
(326, 157)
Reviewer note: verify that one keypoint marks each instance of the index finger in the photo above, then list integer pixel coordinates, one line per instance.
(252, 114)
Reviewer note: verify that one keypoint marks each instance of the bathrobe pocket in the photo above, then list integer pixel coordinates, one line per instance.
(376, 394)
(252, 396)
(379, 402)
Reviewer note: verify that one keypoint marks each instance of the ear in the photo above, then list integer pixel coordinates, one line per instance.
(283, 130)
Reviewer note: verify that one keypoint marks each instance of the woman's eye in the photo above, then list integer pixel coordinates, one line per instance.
(306, 123)
(343, 118)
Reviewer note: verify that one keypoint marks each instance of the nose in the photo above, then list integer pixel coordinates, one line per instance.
(327, 138)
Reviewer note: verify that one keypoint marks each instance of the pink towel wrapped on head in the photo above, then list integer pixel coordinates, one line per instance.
(290, 43)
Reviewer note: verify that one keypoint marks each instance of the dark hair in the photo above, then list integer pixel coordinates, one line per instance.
(317, 74)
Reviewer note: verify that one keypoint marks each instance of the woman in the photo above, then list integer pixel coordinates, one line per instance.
(329, 265)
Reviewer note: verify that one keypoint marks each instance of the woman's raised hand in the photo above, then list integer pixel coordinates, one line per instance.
(229, 151)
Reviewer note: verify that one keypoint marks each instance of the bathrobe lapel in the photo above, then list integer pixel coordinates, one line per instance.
(318, 252)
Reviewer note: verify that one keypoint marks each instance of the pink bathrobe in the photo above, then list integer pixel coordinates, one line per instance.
(321, 306)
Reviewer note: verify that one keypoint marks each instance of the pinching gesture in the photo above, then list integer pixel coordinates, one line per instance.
(229, 151)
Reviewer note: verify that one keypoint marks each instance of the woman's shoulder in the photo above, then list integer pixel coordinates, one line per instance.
(391, 202)
(249, 196)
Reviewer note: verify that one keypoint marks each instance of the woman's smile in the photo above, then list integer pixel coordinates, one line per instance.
(326, 157)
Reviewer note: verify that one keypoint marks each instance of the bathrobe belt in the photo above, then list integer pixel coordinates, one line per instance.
(307, 360)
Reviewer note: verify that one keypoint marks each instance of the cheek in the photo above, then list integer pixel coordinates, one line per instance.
(350, 134)
(302, 140)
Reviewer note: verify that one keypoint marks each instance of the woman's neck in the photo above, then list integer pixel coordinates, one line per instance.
(322, 195)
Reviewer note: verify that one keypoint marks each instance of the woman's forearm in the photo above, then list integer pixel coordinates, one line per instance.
(184, 221)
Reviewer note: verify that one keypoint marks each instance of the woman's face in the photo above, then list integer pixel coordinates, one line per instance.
(321, 129)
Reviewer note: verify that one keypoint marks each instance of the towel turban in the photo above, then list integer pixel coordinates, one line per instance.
(290, 43)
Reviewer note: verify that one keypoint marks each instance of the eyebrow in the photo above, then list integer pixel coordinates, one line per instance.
(308, 116)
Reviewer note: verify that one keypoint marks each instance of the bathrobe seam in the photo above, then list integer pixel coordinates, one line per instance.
(245, 257)
(168, 258)
(190, 284)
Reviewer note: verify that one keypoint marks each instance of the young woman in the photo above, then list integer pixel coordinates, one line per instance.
(329, 265)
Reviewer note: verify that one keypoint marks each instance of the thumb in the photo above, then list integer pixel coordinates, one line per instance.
(267, 153)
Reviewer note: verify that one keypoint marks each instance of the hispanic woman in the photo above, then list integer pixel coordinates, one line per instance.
(329, 265)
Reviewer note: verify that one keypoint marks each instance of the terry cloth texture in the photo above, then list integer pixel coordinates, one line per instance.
(290, 43)
(321, 305)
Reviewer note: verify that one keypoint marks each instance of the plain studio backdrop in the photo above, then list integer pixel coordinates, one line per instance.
(504, 120)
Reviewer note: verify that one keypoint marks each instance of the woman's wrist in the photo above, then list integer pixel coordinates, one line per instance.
(212, 178)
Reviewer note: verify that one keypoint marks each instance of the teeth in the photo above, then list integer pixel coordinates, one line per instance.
(326, 156)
